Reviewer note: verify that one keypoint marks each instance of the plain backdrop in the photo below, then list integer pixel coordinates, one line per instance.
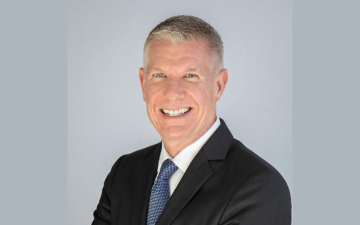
(107, 116)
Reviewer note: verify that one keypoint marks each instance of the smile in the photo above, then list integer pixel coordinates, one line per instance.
(177, 112)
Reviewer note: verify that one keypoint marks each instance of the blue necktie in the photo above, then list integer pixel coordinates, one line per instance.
(160, 192)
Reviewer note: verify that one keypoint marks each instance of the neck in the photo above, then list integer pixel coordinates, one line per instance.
(174, 146)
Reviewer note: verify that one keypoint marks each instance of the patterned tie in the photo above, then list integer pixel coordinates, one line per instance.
(160, 192)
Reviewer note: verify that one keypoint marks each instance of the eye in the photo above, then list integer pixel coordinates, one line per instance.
(191, 75)
(159, 75)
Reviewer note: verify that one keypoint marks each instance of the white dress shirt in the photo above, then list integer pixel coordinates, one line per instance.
(183, 159)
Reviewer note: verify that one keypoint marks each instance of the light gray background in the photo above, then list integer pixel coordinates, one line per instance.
(33, 130)
(106, 115)
(326, 112)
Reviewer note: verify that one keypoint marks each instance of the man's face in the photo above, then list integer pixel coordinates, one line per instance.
(181, 88)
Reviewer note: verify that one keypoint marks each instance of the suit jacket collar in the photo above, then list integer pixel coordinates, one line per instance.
(217, 146)
(199, 171)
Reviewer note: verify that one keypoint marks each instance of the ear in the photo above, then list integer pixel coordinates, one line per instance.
(221, 81)
(142, 81)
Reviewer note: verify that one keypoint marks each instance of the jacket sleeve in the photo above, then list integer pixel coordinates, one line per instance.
(263, 199)
(102, 214)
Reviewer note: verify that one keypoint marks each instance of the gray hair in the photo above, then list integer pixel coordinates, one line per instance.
(181, 28)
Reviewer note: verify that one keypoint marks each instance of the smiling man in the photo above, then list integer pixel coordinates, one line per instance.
(198, 174)
(181, 87)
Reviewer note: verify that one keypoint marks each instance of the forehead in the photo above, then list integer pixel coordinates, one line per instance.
(190, 53)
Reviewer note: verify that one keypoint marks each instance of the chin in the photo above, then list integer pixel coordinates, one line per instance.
(174, 134)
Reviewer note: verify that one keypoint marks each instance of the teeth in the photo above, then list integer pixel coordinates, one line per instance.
(177, 112)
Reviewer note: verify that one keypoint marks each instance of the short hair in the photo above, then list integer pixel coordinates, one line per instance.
(184, 27)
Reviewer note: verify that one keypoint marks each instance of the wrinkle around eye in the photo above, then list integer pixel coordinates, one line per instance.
(192, 76)
(158, 75)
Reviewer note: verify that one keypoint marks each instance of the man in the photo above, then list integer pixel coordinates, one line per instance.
(198, 174)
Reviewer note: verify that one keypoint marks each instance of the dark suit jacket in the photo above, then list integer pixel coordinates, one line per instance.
(226, 183)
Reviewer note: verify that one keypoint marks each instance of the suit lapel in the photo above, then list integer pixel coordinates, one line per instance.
(195, 176)
(145, 177)
(198, 172)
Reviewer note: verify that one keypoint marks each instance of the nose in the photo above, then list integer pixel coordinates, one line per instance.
(174, 89)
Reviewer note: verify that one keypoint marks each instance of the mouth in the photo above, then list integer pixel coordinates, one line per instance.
(176, 112)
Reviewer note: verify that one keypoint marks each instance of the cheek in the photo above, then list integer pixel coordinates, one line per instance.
(203, 99)
(204, 93)
(150, 95)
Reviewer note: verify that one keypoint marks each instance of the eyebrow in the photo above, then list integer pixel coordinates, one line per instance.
(155, 68)
(190, 69)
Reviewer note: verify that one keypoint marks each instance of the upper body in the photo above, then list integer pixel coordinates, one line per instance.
(220, 181)
(226, 183)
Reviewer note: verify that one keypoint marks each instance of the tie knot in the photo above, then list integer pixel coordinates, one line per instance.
(168, 168)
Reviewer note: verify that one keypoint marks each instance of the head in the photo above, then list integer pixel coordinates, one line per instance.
(182, 78)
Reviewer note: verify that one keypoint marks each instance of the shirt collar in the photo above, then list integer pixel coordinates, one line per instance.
(183, 159)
